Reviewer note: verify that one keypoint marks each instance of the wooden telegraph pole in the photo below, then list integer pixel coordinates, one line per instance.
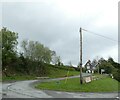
(81, 78)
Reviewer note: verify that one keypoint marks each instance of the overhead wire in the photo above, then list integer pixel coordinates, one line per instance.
(100, 35)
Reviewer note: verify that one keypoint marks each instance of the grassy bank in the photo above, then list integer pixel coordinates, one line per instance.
(57, 74)
(102, 85)
(52, 72)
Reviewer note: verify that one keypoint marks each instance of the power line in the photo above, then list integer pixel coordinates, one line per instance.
(100, 35)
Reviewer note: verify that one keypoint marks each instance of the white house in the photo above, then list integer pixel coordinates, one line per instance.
(89, 67)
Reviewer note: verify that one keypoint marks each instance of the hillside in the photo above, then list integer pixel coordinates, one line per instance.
(50, 71)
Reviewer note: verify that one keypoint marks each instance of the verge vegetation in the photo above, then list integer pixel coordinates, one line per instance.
(104, 84)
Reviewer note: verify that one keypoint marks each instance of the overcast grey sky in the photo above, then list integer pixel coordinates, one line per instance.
(56, 23)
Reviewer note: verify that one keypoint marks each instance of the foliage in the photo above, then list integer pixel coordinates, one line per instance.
(36, 51)
(116, 70)
(56, 60)
(110, 67)
(33, 60)
(107, 67)
(30, 61)
(51, 71)
(9, 45)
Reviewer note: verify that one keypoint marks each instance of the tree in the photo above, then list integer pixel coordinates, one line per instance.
(36, 51)
(9, 45)
(94, 63)
(108, 67)
(116, 70)
(47, 56)
(115, 64)
(56, 60)
(28, 49)
(39, 52)
(101, 60)
(116, 74)
(23, 63)
(110, 59)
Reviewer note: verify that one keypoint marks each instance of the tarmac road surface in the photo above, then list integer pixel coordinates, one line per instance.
(25, 89)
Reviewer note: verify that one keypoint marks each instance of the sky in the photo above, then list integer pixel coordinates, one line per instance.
(56, 24)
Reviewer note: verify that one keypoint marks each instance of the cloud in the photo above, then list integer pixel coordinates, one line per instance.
(56, 23)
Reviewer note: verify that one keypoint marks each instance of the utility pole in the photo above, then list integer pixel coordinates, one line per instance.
(81, 78)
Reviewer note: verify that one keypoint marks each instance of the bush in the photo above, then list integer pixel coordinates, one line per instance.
(116, 75)
(107, 67)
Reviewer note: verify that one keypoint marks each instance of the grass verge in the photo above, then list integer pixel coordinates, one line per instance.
(102, 85)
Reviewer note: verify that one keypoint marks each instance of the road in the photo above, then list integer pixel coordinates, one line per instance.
(25, 89)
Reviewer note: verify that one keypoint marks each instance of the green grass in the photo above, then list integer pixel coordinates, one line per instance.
(52, 74)
(51, 71)
(102, 85)
(61, 73)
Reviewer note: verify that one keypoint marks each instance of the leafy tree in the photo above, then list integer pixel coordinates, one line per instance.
(56, 59)
(103, 64)
(116, 70)
(116, 65)
(39, 52)
(116, 75)
(24, 44)
(9, 45)
(101, 60)
(47, 55)
(110, 59)
(36, 51)
(23, 62)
